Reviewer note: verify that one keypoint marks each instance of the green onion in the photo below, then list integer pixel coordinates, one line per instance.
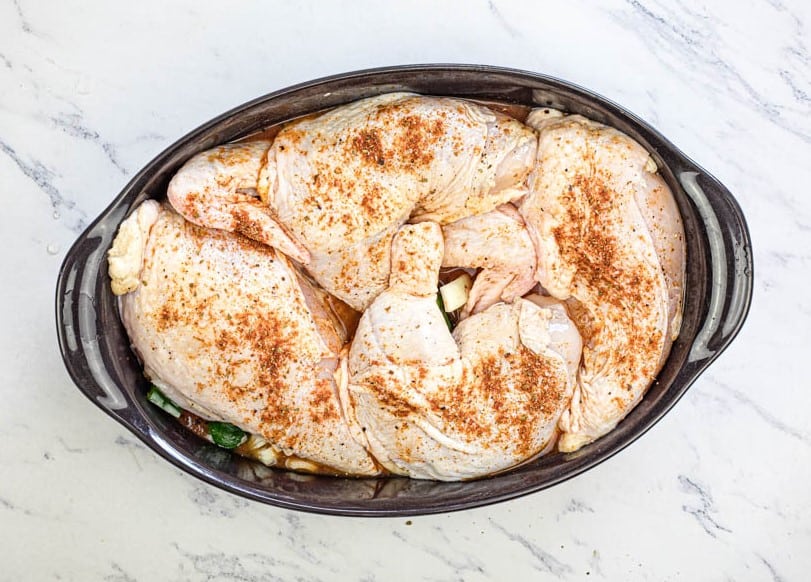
(160, 400)
(226, 435)
(441, 306)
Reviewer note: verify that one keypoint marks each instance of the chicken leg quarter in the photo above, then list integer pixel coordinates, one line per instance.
(433, 405)
(228, 329)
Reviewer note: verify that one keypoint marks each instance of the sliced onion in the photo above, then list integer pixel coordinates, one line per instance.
(455, 294)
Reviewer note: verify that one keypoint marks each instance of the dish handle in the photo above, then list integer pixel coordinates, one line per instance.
(94, 346)
(729, 273)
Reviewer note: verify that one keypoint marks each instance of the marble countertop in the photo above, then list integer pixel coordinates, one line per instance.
(718, 490)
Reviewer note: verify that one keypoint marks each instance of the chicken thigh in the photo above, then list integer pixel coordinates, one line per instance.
(435, 405)
(229, 330)
(610, 243)
(338, 185)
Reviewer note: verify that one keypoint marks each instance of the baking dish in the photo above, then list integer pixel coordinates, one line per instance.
(96, 351)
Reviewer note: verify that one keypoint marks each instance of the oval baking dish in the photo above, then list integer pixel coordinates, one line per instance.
(96, 349)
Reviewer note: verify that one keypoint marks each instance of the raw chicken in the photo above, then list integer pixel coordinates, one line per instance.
(499, 243)
(229, 330)
(432, 405)
(339, 185)
(217, 189)
(235, 330)
(610, 243)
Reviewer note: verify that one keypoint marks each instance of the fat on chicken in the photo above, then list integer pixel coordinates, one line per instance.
(434, 405)
(330, 191)
(230, 330)
(610, 243)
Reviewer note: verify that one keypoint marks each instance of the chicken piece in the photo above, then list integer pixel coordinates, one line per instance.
(341, 183)
(229, 330)
(498, 243)
(434, 405)
(610, 243)
(217, 189)
(662, 217)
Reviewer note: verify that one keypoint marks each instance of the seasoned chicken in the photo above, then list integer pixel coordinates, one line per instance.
(499, 243)
(610, 243)
(433, 405)
(339, 185)
(231, 331)
(217, 189)
(246, 313)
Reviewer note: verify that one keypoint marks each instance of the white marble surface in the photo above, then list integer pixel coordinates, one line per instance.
(719, 490)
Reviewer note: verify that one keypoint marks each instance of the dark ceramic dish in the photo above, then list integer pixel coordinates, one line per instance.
(96, 349)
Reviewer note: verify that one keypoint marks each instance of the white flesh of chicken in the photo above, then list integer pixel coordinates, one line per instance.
(610, 242)
(229, 330)
(433, 405)
(341, 183)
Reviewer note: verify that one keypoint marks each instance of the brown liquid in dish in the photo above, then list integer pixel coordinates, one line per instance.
(514, 110)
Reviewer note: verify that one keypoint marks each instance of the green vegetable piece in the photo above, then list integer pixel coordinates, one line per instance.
(444, 313)
(160, 400)
(226, 435)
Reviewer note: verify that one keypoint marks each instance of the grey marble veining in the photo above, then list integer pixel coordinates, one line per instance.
(716, 491)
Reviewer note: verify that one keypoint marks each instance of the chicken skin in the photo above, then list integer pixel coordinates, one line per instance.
(339, 185)
(610, 243)
(499, 244)
(242, 298)
(436, 405)
(230, 330)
